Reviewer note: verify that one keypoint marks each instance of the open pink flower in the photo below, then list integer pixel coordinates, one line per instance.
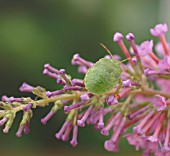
(145, 48)
(159, 29)
(159, 102)
(164, 64)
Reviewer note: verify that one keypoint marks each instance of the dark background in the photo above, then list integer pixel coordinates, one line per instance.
(35, 32)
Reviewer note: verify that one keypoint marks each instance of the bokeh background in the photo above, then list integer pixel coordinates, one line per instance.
(34, 32)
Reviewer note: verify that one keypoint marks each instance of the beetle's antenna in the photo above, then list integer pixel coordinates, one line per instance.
(112, 55)
(107, 50)
(128, 59)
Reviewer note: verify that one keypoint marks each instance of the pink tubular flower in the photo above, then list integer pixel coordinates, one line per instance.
(117, 57)
(145, 48)
(127, 83)
(166, 145)
(164, 85)
(100, 124)
(111, 146)
(155, 137)
(50, 94)
(110, 124)
(27, 128)
(27, 107)
(19, 132)
(74, 142)
(117, 37)
(139, 128)
(159, 102)
(65, 136)
(130, 37)
(164, 64)
(140, 98)
(12, 99)
(159, 49)
(77, 60)
(62, 130)
(111, 100)
(51, 69)
(81, 122)
(82, 69)
(159, 29)
(26, 88)
(86, 97)
(5, 98)
(3, 121)
(23, 128)
(137, 141)
(47, 117)
(134, 49)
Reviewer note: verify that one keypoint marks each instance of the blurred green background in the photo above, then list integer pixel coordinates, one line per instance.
(34, 32)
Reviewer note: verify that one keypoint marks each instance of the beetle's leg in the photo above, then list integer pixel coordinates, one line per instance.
(118, 88)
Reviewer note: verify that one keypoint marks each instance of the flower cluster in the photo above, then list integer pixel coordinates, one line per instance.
(140, 100)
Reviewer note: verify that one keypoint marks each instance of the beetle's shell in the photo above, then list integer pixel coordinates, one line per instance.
(103, 76)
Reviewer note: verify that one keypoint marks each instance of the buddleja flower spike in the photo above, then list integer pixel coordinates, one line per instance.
(135, 96)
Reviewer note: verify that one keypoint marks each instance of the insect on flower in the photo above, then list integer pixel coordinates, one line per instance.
(137, 95)
(103, 75)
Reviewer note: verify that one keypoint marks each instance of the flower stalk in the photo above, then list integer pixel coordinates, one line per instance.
(140, 99)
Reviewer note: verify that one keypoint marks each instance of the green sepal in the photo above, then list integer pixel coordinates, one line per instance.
(70, 115)
(57, 105)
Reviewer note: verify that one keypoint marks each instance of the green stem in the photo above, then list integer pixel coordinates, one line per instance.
(125, 108)
(41, 103)
(149, 92)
